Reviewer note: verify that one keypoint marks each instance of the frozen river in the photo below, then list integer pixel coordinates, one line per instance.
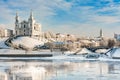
(59, 70)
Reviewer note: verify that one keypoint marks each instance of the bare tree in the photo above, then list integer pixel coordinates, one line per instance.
(111, 43)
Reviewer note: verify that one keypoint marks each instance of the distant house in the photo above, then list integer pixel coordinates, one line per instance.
(9, 32)
(5, 32)
(65, 37)
(117, 37)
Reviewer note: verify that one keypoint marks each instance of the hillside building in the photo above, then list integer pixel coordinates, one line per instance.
(27, 28)
(5, 32)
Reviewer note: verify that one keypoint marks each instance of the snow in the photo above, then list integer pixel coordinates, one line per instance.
(69, 52)
(58, 43)
(54, 58)
(27, 42)
(14, 51)
(84, 50)
(116, 53)
(58, 55)
(2, 43)
(40, 52)
(11, 51)
(101, 50)
(45, 40)
(85, 41)
(111, 52)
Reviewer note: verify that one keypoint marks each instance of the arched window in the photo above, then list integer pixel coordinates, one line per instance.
(24, 26)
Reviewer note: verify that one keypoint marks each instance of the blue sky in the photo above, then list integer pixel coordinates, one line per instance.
(79, 17)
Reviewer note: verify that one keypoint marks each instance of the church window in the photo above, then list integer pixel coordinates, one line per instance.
(24, 26)
(36, 28)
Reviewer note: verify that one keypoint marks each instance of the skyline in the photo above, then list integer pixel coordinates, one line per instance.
(66, 16)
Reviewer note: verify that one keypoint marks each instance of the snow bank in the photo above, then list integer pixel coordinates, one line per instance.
(27, 42)
(11, 51)
(84, 50)
(2, 43)
(101, 50)
(69, 52)
(15, 51)
(116, 53)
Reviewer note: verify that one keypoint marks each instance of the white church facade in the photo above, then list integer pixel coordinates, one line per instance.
(27, 28)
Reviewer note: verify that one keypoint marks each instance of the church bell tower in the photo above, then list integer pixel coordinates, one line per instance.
(101, 33)
(16, 24)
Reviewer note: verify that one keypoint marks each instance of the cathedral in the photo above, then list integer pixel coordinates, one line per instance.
(27, 28)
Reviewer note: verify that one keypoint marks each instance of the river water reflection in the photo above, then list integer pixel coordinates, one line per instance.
(59, 70)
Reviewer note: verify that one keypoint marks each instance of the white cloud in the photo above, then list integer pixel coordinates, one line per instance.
(105, 19)
(41, 8)
(91, 15)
